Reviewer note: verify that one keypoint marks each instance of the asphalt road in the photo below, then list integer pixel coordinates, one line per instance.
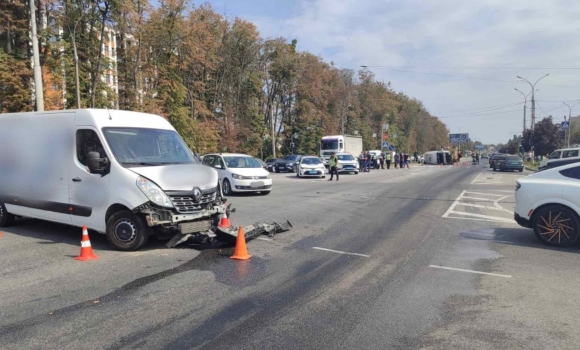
(406, 232)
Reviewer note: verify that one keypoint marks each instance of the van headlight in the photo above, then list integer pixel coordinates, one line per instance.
(237, 177)
(153, 192)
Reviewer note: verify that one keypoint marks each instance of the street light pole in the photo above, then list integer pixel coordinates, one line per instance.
(39, 95)
(525, 105)
(533, 97)
(569, 120)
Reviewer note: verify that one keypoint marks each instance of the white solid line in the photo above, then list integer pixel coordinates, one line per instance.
(479, 206)
(478, 198)
(339, 252)
(485, 194)
(453, 205)
(264, 239)
(477, 177)
(470, 271)
(495, 218)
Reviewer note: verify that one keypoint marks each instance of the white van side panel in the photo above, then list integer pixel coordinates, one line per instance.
(34, 153)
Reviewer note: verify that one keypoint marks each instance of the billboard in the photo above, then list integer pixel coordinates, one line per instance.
(458, 138)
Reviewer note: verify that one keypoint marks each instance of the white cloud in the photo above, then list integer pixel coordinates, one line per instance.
(448, 33)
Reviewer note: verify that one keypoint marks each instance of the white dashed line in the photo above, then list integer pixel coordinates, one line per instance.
(339, 252)
(470, 271)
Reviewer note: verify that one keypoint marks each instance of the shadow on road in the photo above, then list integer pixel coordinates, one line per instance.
(521, 237)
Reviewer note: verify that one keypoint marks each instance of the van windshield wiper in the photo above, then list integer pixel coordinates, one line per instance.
(142, 163)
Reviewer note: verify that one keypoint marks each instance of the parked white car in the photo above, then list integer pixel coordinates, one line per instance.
(239, 173)
(560, 154)
(549, 203)
(347, 163)
(311, 166)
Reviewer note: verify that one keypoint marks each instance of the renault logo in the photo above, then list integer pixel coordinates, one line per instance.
(197, 195)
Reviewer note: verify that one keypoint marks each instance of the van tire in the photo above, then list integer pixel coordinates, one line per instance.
(118, 227)
(6, 219)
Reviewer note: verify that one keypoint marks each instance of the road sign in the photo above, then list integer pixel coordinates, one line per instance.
(374, 135)
(385, 137)
(391, 148)
(395, 136)
(386, 126)
(565, 125)
(480, 147)
(458, 138)
(385, 145)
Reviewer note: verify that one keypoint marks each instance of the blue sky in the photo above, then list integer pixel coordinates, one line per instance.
(459, 57)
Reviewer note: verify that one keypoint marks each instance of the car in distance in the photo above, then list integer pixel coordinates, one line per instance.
(493, 158)
(347, 163)
(549, 203)
(288, 164)
(239, 173)
(508, 163)
(262, 163)
(311, 166)
(270, 163)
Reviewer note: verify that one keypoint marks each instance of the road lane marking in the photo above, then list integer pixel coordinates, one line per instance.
(453, 205)
(493, 218)
(264, 239)
(470, 271)
(339, 252)
(479, 206)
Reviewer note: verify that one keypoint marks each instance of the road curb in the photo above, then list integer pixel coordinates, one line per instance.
(530, 169)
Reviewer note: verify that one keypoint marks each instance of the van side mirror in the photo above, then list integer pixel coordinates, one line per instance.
(218, 166)
(96, 164)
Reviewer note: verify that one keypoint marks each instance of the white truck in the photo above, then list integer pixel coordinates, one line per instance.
(340, 144)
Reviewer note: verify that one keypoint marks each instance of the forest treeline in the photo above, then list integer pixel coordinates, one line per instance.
(216, 79)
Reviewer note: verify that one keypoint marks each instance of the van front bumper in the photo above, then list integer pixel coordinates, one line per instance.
(156, 217)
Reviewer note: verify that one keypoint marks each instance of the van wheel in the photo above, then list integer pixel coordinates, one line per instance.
(6, 219)
(127, 231)
(556, 225)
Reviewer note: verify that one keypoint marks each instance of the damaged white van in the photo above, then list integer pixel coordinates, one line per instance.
(122, 173)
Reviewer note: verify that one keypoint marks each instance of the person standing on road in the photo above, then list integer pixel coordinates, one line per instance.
(406, 161)
(388, 160)
(361, 161)
(397, 156)
(333, 163)
(477, 158)
(402, 160)
(416, 157)
(368, 162)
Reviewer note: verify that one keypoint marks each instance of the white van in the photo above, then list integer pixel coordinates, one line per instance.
(122, 173)
(560, 154)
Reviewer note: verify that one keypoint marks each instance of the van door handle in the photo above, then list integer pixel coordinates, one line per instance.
(77, 179)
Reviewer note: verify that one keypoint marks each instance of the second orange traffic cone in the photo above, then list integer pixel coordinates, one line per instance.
(241, 251)
(86, 248)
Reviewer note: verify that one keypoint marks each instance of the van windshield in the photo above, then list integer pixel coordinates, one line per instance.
(148, 147)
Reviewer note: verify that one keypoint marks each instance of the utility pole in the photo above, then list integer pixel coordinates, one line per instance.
(533, 97)
(273, 130)
(525, 105)
(39, 95)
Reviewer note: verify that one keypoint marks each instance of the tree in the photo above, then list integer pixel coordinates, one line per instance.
(14, 90)
(544, 139)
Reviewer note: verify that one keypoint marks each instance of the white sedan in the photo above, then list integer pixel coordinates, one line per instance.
(311, 166)
(239, 173)
(549, 203)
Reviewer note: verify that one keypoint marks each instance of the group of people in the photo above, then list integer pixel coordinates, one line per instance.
(401, 160)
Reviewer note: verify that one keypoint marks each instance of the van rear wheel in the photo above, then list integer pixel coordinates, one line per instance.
(6, 219)
(127, 231)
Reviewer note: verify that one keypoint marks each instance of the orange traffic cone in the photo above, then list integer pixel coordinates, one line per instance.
(86, 248)
(225, 222)
(241, 251)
